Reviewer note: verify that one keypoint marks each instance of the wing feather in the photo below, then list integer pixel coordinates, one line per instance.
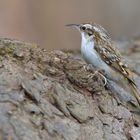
(112, 57)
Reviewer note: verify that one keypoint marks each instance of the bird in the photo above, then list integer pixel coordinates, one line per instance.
(98, 50)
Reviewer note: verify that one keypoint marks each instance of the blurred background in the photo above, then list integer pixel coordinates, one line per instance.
(43, 22)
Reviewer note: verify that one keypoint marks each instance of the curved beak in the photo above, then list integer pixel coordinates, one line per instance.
(77, 26)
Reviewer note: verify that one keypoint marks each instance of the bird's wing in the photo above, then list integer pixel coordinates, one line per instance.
(112, 57)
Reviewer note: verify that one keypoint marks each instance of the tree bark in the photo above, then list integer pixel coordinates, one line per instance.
(49, 96)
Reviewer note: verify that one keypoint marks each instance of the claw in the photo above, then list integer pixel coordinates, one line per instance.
(90, 76)
(97, 72)
(105, 80)
(88, 67)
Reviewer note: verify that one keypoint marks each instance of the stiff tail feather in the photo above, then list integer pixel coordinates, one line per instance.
(135, 90)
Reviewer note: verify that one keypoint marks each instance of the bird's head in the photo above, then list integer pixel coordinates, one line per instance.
(94, 31)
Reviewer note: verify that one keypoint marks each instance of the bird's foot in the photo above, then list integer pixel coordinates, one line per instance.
(88, 67)
(105, 80)
(98, 73)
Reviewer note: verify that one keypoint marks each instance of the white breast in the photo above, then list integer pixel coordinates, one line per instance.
(90, 55)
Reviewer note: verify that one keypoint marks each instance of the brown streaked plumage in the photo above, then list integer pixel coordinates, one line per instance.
(98, 50)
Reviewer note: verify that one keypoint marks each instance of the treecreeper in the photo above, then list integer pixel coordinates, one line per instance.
(98, 50)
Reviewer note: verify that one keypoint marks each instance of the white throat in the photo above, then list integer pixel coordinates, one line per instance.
(90, 55)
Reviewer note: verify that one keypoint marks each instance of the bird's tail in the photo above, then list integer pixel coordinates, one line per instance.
(136, 92)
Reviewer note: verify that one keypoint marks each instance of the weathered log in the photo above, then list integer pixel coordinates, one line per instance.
(49, 96)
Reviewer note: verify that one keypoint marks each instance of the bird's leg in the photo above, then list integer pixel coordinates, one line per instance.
(98, 73)
(88, 67)
(105, 80)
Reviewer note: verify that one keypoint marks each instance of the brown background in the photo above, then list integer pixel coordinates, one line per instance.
(42, 21)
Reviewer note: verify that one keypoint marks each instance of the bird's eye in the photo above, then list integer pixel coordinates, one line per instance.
(83, 28)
